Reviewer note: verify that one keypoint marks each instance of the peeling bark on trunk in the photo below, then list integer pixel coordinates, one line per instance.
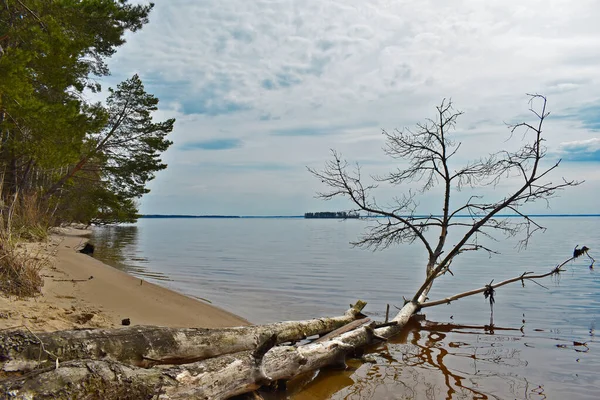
(145, 346)
(211, 379)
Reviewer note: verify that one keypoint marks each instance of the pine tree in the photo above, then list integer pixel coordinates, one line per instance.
(128, 149)
(50, 52)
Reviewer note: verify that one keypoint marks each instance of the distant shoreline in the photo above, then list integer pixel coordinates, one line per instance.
(175, 216)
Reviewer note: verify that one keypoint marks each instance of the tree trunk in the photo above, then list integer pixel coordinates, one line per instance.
(145, 346)
(63, 179)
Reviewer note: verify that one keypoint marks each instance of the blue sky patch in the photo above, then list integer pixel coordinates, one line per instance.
(587, 150)
(286, 80)
(213, 107)
(243, 35)
(582, 156)
(588, 115)
(321, 130)
(268, 84)
(297, 78)
(212, 144)
(211, 99)
(268, 117)
(304, 131)
(247, 166)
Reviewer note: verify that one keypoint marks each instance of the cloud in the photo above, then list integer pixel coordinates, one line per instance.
(212, 144)
(580, 150)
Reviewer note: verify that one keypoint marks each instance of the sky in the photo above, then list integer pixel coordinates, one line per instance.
(263, 89)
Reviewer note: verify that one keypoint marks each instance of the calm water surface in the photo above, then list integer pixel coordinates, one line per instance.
(543, 346)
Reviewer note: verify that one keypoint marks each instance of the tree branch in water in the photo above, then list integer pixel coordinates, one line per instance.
(525, 276)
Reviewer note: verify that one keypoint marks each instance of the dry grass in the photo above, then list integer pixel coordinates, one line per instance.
(27, 219)
(20, 271)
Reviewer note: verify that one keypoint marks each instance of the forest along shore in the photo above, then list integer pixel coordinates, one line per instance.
(82, 292)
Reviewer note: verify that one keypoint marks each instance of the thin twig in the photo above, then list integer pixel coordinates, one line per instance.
(387, 313)
(73, 280)
(10, 328)
(34, 15)
(539, 284)
(43, 348)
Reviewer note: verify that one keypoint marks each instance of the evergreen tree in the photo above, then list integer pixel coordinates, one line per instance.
(128, 150)
(50, 52)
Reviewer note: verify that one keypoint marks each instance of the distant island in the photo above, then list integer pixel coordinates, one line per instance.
(332, 215)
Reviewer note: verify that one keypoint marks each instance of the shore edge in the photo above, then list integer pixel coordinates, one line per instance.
(82, 292)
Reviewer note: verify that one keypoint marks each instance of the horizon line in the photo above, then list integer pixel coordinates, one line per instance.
(150, 216)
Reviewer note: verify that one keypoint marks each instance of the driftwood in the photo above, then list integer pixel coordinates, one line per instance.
(145, 346)
(215, 378)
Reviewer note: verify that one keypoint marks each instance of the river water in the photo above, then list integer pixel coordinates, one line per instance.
(542, 346)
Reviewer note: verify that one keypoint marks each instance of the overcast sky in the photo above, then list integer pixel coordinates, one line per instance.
(261, 89)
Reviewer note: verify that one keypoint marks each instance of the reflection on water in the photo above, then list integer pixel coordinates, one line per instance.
(446, 361)
(118, 246)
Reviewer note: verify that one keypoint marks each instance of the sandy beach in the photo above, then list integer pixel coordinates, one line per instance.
(82, 292)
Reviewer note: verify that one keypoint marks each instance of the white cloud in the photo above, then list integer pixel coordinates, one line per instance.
(592, 144)
(244, 69)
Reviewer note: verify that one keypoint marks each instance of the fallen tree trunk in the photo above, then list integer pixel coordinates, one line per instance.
(216, 378)
(145, 346)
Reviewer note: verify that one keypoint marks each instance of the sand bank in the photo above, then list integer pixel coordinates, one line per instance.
(80, 292)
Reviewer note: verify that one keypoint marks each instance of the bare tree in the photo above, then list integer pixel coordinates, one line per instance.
(428, 152)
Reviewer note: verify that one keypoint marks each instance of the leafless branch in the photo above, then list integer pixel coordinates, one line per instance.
(344, 183)
(520, 278)
(43, 348)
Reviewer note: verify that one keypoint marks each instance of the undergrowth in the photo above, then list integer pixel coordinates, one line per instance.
(27, 220)
(20, 270)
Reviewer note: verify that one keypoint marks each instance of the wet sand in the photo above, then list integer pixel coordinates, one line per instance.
(81, 292)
